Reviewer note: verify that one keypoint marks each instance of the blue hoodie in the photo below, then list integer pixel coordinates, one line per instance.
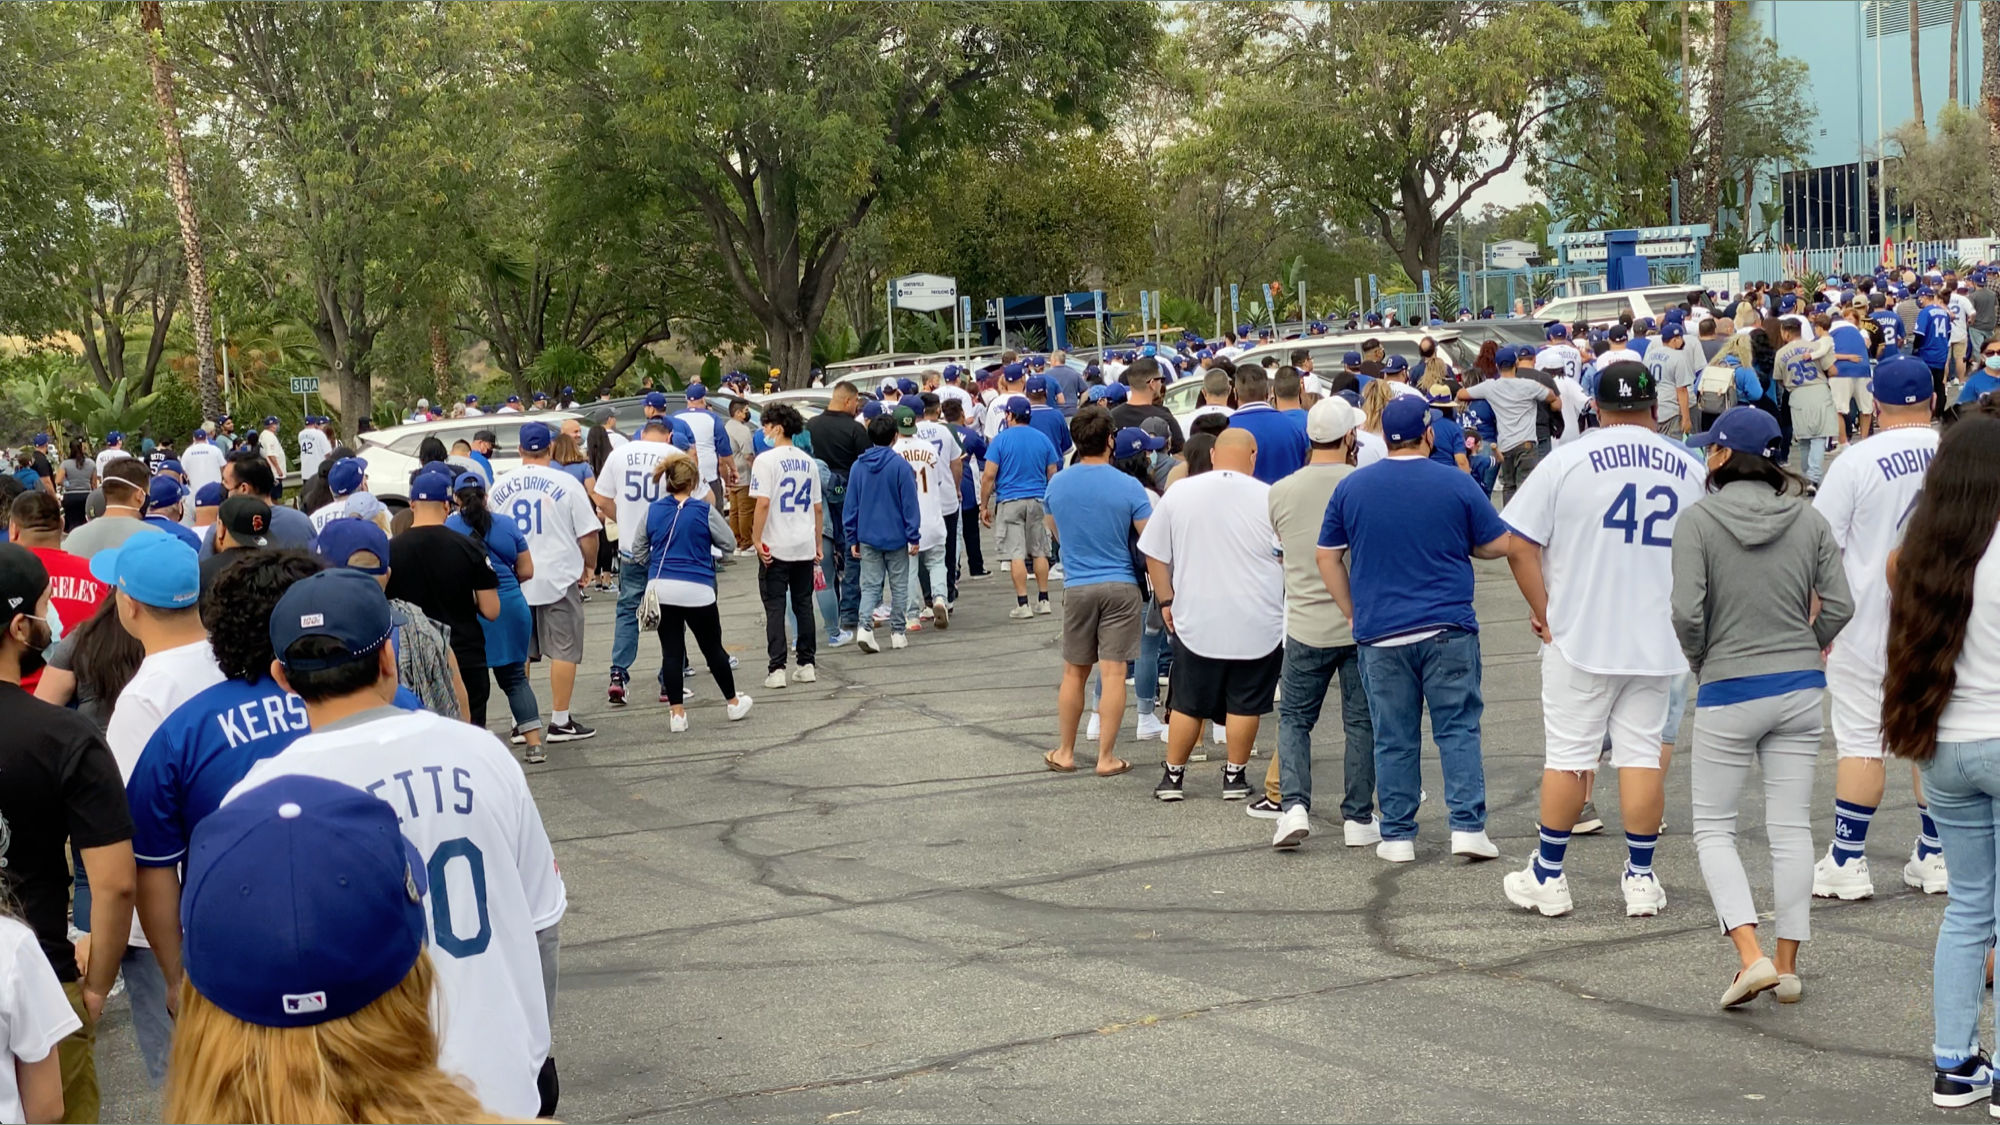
(881, 507)
(677, 535)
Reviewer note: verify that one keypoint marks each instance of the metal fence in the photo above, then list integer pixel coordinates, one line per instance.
(1774, 265)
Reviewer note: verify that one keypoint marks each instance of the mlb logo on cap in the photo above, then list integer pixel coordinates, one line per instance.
(1903, 382)
(1405, 418)
(300, 1003)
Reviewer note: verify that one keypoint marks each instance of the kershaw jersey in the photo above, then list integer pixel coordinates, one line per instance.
(711, 440)
(550, 508)
(199, 754)
(465, 806)
(627, 481)
(1867, 496)
(1603, 509)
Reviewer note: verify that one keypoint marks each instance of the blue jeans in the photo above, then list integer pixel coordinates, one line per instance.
(1309, 670)
(840, 603)
(146, 990)
(1962, 784)
(1442, 672)
(893, 566)
(1153, 648)
(625, 622)
(521, 701)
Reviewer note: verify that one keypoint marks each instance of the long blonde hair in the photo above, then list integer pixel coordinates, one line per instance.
(379, 1064)
(1738, 346)
(1373, 400)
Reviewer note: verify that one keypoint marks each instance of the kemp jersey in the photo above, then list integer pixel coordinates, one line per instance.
(1867, 497)
(1603, 509)
(465, 806)
(550, 508)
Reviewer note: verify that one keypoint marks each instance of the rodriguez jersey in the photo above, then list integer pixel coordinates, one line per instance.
(1603, 509)
(627, 481)
(465, 806)
(550, 508)
(1867, 497)
(930, 489)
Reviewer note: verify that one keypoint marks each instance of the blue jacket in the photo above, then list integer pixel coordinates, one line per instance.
(680, 547)
(881, 508)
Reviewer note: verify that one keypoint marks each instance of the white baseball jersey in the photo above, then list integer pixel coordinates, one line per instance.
(314, 445)
(465, 806)
(930, 489)
(789, 478)
(106, 456)
(945, 440)
(627, 481)
(1564, 356)
(272, 448)
(1867, 497)
(710, 439)
(550, 508)
(334, 509)
(1603, 509)
(203, 462)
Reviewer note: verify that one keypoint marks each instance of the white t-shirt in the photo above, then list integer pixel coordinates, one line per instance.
(1574, 403)
(550, 508)
(270, 448)
(203, 462)
(334, 509)
(34, 1013)
(951, 391)
(1404, 389)
(1604, 508)
(1564, 356)
(1961, 316)
(1973, 714)
(1210, 408)
(465, 806)
(1369, 447)
(164, 681)
(627, 481)
(705, 425)
(1867, 496)
(1618, 354)
(789, 479)
(106, 456)
(314, 445)
(944, 439)
(930, 489)
(1214, 532)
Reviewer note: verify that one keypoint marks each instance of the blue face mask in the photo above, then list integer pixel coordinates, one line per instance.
(1993, 363)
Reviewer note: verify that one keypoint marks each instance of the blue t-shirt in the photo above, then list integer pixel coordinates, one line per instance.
(1409, 562)
(504, 544)
(1447, 438)
(1094, 506)
(1281, 445)
(1483, 421)
(199, 754)
(485, 466)
(1848, 340)
(1894, 332)
(1934, 325)
(170, 527)
(1980, 383)
(580, 470)
(1053, 426)
(1022, 457)
(29, 478)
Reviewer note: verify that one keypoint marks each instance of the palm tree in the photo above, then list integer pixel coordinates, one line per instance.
(1718, 76)
(1916, 68)
(199, 304)
(1989, 86)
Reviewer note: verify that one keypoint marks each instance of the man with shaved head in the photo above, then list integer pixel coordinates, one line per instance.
(1211, 542)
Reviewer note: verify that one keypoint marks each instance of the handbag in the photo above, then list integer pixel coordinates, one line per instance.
(649, 605)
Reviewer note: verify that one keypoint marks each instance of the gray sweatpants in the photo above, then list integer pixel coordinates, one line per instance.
(1781, 733)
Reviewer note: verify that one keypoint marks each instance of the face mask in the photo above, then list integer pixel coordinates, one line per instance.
(40, 639)
(1993, 363)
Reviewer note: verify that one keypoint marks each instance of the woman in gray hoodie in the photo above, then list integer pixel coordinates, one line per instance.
(1759, 594)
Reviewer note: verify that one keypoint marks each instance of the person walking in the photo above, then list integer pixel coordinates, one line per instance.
(787, 528)
(77, 478)
(1758, 594)
(448, 576)
(508, 636)
(927, 570)
(884, 528)
(625, 490)
(555, 516)
(838, 441)
(1515, 401)
(680, 579)
(1019, 462)
(742, 453)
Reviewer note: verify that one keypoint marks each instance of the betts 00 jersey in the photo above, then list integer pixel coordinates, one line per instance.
(465, 806)
(627, 481)
(1603, 509)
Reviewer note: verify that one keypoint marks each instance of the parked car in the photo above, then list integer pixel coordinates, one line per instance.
(392, 453)
(1602, 309)
(631, 412)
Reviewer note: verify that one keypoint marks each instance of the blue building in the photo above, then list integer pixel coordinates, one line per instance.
(1859, 55)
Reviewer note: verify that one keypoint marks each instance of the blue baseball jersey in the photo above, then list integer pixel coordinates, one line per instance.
(199, 754)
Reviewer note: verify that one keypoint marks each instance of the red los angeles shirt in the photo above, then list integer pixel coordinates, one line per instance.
(72, 591)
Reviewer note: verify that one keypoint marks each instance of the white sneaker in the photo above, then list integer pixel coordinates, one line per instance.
(1042, 606)
(1020, 613)
(776, 679)
(1529, 893)
(1474, 845)
(739, 708)
(1056, 572)
(881, 613)
(1361, 833)
(941, 613)
(1094, 727)
(1151, 728)
(1847, 881)
(677, 723)
(898, 641)
(1925, 874)
(806, 674)
(1396, 851)
(1644, 896)
(1294, 825)
(924, 614)
(866, 639)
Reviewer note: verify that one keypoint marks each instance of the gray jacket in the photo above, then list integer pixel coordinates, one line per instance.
(1746, 565)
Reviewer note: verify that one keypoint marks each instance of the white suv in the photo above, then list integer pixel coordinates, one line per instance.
(1602, 309)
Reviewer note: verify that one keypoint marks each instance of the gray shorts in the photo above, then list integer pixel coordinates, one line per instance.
(558, 632)
(1101, 622)
(1019, 531)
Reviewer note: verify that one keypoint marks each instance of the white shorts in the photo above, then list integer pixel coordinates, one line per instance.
(1579, 708)
(1857, 711)
(1848, 391)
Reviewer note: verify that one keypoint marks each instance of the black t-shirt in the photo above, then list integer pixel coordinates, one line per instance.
(1132, 414)
(439, 570)
(58, 783)
(837, 439)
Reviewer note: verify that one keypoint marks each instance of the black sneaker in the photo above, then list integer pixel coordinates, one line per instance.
(1264, 808)
(1235, 783)
(616, 690)
(536, 755)
(571, 731)
(1964, 1084)
(1172, 786)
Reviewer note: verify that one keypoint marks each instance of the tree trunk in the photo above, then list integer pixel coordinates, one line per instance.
(1989, 87)
(1951, 81)
(1718, 78)
(200, 306)
(440, 358)
(1916, 70)
(1687, 71)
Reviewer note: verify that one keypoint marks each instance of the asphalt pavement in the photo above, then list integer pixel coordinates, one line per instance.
(869, 902)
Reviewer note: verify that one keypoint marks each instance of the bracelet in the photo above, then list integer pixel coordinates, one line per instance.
(1165, 603)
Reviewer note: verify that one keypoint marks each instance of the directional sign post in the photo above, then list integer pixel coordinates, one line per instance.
(305, 384)
(1235, 307)
(919, 292)
(965, 323)
(1144, 312)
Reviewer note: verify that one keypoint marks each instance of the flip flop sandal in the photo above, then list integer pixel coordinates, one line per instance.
(1049, 760)
(1123, 767)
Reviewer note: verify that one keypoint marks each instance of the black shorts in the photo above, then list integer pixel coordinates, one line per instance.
(1213, 689)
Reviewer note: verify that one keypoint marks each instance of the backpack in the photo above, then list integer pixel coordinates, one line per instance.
(1716, 389)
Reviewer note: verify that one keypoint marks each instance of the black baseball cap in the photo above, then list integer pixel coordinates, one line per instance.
(248, 520)
(23, 581)
(1626, 385)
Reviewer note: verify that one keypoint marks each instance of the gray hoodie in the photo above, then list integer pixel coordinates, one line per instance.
(1747, 562)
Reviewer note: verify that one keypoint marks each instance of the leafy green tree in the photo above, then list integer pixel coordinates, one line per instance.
(1944, 173)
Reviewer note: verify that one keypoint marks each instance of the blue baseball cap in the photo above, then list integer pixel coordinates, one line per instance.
(1747, 429)
(540, 397)
(172, 466)
(113, 438)
(467, 479)
(41, 440)
(345, 476)
(871, 409)
(341, 605)
(907, 386)
(1903, 382)
(696, 392)
(1038, 384)
(164, 492)
(208, 495)
(568, 391)
(199, 434)
(1013, 373)
(1350, 359)
(951, 372)
(304, 901)
(270, 419)
(431, 485)
(1132, 441)
(152, 568)
(470, 399)
(1018, 407)
(1557, 331)
(1395, 365)
(513, 400)
(1672, 330)
(341, 540)
(535, 437)
(655, 400)
(1506, 357)
(1405, 418)
(1617, 332)
(655, 423)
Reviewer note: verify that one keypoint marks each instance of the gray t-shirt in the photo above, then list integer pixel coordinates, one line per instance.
(1298, 508)
(1514, 400)
(102, 534)
(1673, 368)
(88, 703)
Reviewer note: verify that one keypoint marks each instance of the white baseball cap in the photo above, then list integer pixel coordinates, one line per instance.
(1331, 419)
